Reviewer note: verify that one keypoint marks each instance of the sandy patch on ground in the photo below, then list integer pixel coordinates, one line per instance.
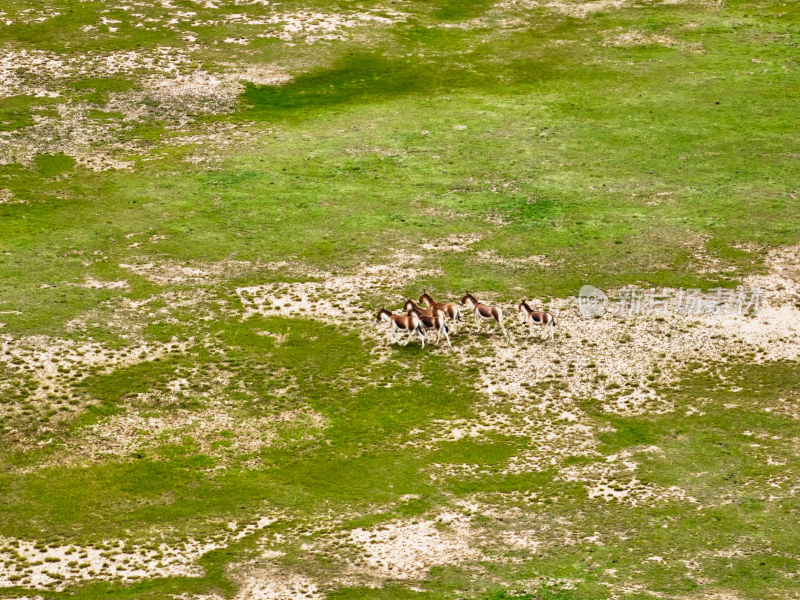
(278, 584)
(696, 2)
(32, 72)
(301, 26)
(176, 98)
(397, 550)
(102, 161)
(615, 480)
(581, 10)
(7, 197)
(170, 272)
(70, 131)
(453, 243)
(95, 563)
(309, 26)
(407, 549)
(129, 318)
(640, 38)
(96, 284)
(29, 16)
(216, 423)
(336, 299)
(169, 88)
(38, 567)
(493, 257)
(52, 366)
(258, 74)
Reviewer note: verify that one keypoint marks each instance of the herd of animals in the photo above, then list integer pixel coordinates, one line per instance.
(418, 320)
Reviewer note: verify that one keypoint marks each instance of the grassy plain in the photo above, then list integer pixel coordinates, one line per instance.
(203, 204)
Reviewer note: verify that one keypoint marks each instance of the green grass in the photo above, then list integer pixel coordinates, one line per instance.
(358, 466)
(15, 111)
(618, 164)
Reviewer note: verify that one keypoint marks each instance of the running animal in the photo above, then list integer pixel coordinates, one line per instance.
(451, 309)
(398, 323)
(433, 319)
(535, 317)
(484, 311)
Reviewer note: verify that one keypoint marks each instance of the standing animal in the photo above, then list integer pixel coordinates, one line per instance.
(484, 311)
(451, 309)
(432, 319)
(398, 323)
(535, 317)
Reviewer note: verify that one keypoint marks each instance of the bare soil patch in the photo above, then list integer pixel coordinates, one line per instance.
(407, 549)
(39, 566)
(640, 38)
(53, 366)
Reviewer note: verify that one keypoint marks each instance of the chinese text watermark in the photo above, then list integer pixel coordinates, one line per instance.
(632, 301)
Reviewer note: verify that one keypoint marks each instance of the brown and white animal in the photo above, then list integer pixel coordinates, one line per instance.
(535, 317)
(397, 323)
(484, 311)
(451, 309)
(432, 319)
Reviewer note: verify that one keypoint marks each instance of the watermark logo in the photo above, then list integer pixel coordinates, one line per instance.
(591, 301)
(632, 301)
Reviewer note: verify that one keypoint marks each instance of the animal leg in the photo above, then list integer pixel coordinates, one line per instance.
(447, 337)
(503, 329)
(421, 337)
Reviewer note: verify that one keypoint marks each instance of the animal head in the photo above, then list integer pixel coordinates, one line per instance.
(383, 315)
(425, 298)
(409, 304)
(467, 297)
(521, 305)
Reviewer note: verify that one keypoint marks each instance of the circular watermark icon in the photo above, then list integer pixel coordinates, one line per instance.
(591, 301)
